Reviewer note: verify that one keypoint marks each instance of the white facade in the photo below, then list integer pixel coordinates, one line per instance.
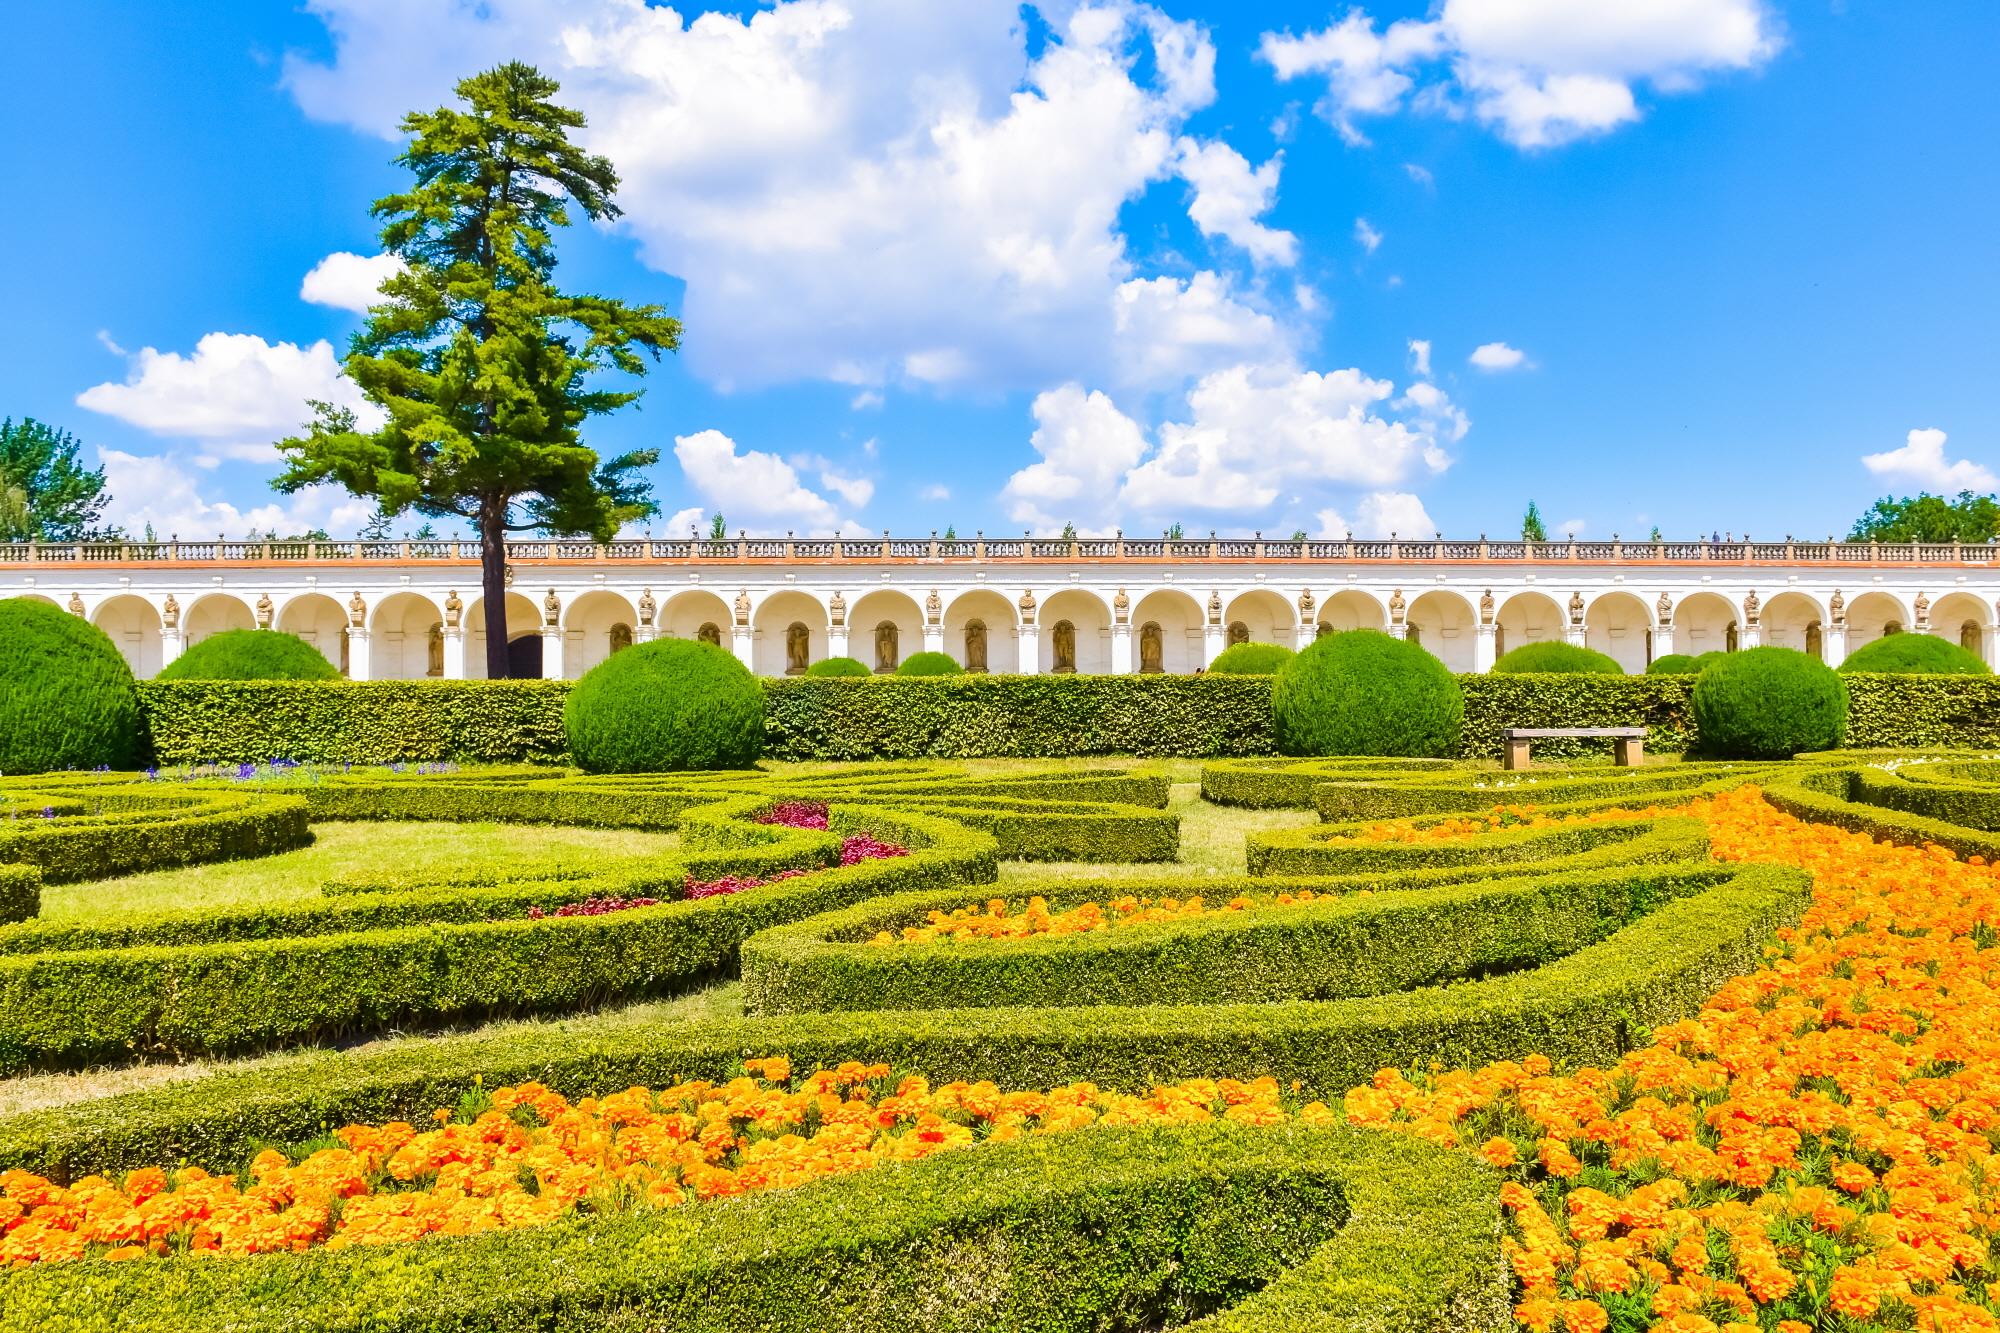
(384, 611)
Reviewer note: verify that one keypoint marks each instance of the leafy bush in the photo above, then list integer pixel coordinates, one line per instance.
(1915, 655)
(359, 722)
(251, 654)
(1673, 664)
(67, 698)
(1251, 659)
(1556, 658)
(839, 667)
(666, 705)
(929, 664)
(1363, 692)
(1768, 703)
(1703, 661)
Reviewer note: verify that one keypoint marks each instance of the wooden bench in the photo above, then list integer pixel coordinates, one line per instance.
(1631, 742)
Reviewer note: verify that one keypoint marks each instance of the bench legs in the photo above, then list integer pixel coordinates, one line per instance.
(1517, 756)
(1631, 752)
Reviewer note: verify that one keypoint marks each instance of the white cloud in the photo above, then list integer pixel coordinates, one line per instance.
(349, 281)
(1421, 175)
(1170, 330)
(857, 491)
(160, 490)
(1921, 461)
(862, 191)
(934, 492)
(236, 393)
(1569, 527)
(1086, 446)
(755, 489)
(1370, 239)
(692, 519)
(1539, 72)
(866, 399)
(1420, 357)
(1498, 356)
(1431, 406)
(1229, 196)
(1381, 514)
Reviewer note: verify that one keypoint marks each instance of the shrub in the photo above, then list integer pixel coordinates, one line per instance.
(1703, 661)
(666, 705)
(67, 698)
(251, 654)
(1673, 664)
(1251, 659)
(1915, 655)
(1363, 692)
(1555, 658)
(839, 667)
(929, 664)
(1768, 703)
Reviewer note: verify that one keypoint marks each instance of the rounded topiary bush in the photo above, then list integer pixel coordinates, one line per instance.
(1556, 657)
(67, 699)
(1769, 703)
(251, 654)
(1251, 659)
(665, 705)
(838, 666)
(1915, 654)
(1703, 661)
(1673, 664)
(1363, 692)
(929, 664)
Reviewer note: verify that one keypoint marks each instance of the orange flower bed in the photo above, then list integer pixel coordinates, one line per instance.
(529, 1157)
(1814, 1151)
(996, 922)
(1505, 818)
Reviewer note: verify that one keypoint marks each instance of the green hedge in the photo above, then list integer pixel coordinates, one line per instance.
(366, 722)
(1915, 711)
(104, 828)
(1402, 796)
(1294, 1230)
(20, 893)
(1345, 849)
(1662, 704)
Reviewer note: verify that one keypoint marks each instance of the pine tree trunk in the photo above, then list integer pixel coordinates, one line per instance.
(493, 584)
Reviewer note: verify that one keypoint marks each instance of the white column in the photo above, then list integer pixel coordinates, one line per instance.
(836, 641)
(1575, 634)
(1663, 641)
(357, 654)
(552, 652)
(170, 645)
(454, 653)
(1484, 644)
(1750, 636)
(1031, 650)
(1399, 629)
(1121, 649)
(933, 638)
(1304, 638)
(1213, 640)
(744, 644)
(645, 633)
(1833, 644)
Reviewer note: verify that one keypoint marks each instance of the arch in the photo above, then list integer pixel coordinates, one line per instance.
(1873, 615)
(683, 614)
(1350, 608)
(1089, 616)
(134, 625)
(1966, 620)
(1178, 618)
(1704, 622)
(1265, 617)
(870, 612)
(316, 618)
(1620, 625)
(212, 613)
(1792, 618)
(772, 623)
(1527, 617)
(994, 614)
(524, 621)
(399, 635)
(1445, 625)
(588, 623)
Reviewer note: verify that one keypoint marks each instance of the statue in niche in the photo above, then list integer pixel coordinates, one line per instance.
(1062, 642)
(742, 607)
(1969, 637)
(837, 609)
(1397, 606)
(1321, 630)
(798, 649)
(454, 610)
(1730, 638)
(1836, 608)
(975, 645)
(1815, 641)
(1923, 607)
(933, 607)
(434, 650)
(1891, 627)
(1576, 608)
(1238, 633)
(1152, 648)
(75, 604)
(1486, 607)
(710, 632)
(1751, 606)
(170, 612)
(1306, 605)
(1121, 607)
(1664, 609)
(551, 608)
(649, 609)
(264, 610)
(621, 637)
(357, 612)
(1214, 607)
(885, 647)
(1028, 607)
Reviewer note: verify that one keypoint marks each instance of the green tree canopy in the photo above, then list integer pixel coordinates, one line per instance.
(45, 493)
(1929, 518)
(1532, 528)
(483, 367)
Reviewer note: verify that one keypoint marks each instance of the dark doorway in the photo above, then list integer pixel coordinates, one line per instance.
(524, 658)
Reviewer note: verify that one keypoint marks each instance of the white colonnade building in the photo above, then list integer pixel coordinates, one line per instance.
(401, 610)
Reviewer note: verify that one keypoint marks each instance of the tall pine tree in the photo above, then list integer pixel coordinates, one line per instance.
(483, 367)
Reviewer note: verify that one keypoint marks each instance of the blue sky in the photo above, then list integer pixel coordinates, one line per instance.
(1732, 262)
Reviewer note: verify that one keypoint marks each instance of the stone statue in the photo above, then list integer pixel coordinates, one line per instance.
(454, 610)
(75, 604)
(975, 645)
(1486, 607)
(1238, 633)
(837, 608)
(1121, 607)
(742, 607)
(170, 612)
(648, 608)
(1836, 608)
(1214, 607)
(885, 647)
(933, 607)
(1576, 608)
(1664, 609)
(357, 612)
(1923, 607)
(621, 637)
(1750, 607)
(710, 632)
(551, 608)
(434, 652)
(264, 610)
(1028, 607)
(1306, 607)
(1152, 648)
(798, 649)
(1063, 643)
(1397, 606)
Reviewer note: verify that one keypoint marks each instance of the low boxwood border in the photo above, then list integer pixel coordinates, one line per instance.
(104, 829)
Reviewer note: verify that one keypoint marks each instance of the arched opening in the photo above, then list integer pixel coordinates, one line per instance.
(1263, 617)
(685, 615)
(1965, 619)
(1815, 642)
(1874, 615)
(710, 633)
(589, 622)
(1443, 623)
(1526, 617)
(979, 630)
(1088, 636)
(887, 626)
(1350, 609)
(1786, 618)
(213, 614)
(133, 625)
(1152, 648)
(621, 637)
(1175, 618)
(1238, 633)
(779, 645)
(1619, 625)
(1704, 622)
(524, 639)
(317, 619)
(798, 648)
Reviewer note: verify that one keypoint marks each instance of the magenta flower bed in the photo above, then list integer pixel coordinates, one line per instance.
(853, 851)
(796, 814)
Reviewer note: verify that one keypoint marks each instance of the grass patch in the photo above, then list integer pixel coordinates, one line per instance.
(1212, 842)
